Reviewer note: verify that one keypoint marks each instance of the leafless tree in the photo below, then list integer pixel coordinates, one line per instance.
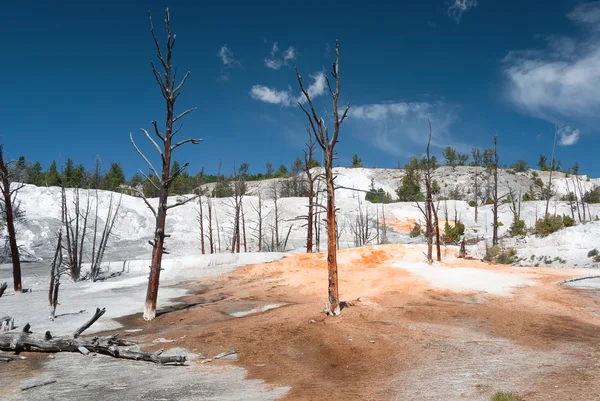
(320, 131)
(310, 178)
(427, 210)
(275, 240)
(99, 244)
(10, 214)
(495, 197)
(57, 269)
(170, 92)
(551, 171)
(201, 223)
(75, 222)
(259, 223)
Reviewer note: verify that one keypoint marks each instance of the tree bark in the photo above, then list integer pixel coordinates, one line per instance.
(10, 224)
(321, 134)
(495, 207)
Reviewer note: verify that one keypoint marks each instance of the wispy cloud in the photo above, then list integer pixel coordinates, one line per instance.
(228, 61)
(458, 7)
(560, 83)
(287, 98)
(275, 61)
(273, 96)
(567, 136)
(401, 128)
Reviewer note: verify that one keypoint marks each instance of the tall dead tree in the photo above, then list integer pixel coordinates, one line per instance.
(99, 244)
(76, 225)
(320, 131)
(8, 200)
(310, 178)
(495, 224)
(170, 92)
(551, 171)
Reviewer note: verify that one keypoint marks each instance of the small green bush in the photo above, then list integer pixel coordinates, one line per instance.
(472, 203)
(568, 221)
(453, 234)
(506, 396)
(517, 228)
(592, 253)
(489, 201)
(492, 252)
(548, 225)
(416, 231)
(507, 256)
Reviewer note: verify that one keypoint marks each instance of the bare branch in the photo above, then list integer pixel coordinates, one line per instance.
(181, 203)
(184, 114)
(150, 180)
(152, 209)
(153, 142)
(157, 131)
(143, 156)
(194, 141)
(185, 77)
(159, 53)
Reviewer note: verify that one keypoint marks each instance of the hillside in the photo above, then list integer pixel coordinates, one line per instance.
(134, 225)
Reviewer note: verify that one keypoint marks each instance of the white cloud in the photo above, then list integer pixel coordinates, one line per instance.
(275, 62)
(458, 7)
(227, 56)
(401, 128)
(228, 61)
(286, 98)
(567, 136)
(273, 96)
(316, 88)
(561, 82)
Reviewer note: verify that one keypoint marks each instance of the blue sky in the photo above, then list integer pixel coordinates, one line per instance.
(76, 78)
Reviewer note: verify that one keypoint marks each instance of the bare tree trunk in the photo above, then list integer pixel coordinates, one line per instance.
(244, 228)
(495, 207)
(55, 273)
(476, 193)
(210, 230)
(170, 93)
(321, 134)
(551, 171)
(109, 223)
(218, 231)
(201, 220)
(436, 222)
(308, 158)
(7, 194)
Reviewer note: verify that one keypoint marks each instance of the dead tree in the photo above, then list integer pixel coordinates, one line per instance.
(427, 211)
(56, 271)
(98, 248)
(551, 171)
(170, 92)
(75, 230)
(310, 178)
(210, 229)
(25, 340)
(320, 131)
(201, 222)
(8, 203)
(495, 198)
(259, 223)
(275, 240)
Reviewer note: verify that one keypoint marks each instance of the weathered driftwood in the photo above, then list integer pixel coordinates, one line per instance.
(3, 288)
(8, 357)
(109, 345)
(37, 384)
(577, 279)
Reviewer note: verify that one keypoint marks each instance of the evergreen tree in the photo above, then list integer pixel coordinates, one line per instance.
(52, 176)
(114, 178)
(298, 166)
(542, 163)
(35, 175)
(67, 174)
(450, 155)
(410, 190)
(269, 170)
(356, 161)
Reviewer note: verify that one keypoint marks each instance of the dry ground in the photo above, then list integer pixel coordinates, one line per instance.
(406, 338)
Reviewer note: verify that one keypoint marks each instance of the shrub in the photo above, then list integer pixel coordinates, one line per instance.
(416, 231)
(489, 201)
(435, 187)
(507, 256)
(472, 203)
(492, 252)
(453, 234)
(222, 189)
(568, 221)
(506, 396)
(517, 228)
(592, 253)
(548, 225)
(593, 195)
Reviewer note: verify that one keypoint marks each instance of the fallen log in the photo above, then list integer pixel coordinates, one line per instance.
(577, 279)
(38, 384)
(109, 345)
